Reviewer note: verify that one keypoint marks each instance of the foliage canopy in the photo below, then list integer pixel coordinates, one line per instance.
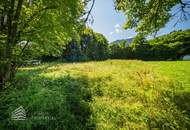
(148, 16)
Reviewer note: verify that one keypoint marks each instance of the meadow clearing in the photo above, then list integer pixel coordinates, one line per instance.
(104, 95)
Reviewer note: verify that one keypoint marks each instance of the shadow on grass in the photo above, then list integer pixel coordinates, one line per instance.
(60, 104)
(182, 101)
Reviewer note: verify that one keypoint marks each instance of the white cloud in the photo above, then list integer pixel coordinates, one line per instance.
(117, 30)
(117, 26)
(111, 33)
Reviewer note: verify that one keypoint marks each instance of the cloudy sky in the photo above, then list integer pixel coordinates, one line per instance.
(109, 22)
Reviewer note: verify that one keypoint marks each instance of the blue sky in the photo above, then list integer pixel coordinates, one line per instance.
(109, 22)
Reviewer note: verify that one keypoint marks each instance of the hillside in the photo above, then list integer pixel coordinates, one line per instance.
(128, 41)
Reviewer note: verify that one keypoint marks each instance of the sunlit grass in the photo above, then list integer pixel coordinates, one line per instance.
(113, 94)
(177, 70)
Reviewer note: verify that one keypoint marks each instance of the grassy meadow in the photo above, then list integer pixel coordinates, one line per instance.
(105, 95)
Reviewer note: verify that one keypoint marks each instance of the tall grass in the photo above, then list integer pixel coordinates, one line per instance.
(114, 94)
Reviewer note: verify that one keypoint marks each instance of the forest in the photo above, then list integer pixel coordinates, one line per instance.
(58, 73)
(94, 46)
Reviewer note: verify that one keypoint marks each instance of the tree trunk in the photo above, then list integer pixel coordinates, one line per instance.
(8, 65)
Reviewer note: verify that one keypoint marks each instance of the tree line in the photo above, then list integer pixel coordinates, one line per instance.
(94, 46)
(172, 46)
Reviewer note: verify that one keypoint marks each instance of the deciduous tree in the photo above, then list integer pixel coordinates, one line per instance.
(45, 22)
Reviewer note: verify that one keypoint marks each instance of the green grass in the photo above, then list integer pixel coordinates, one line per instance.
(107, 95)
(177, 70)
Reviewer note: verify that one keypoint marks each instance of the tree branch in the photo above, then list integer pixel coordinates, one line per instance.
(184, 13)
(23, 49)
(89, 12)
